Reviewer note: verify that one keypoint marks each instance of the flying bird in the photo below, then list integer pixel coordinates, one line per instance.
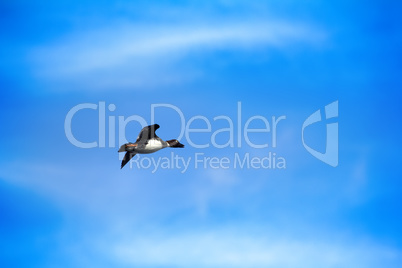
(146, 143)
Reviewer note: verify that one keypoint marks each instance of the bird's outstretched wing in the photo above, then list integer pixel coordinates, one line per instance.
(127, 158)
(147, 133)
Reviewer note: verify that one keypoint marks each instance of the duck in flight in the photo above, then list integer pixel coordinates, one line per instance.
(146, 143)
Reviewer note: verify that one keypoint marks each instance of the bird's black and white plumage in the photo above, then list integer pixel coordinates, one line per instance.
(146, 143)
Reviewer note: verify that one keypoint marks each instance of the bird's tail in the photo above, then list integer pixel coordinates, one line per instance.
(122, 148)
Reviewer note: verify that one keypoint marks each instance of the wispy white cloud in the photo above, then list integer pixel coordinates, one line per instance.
(120, 203)
(135, 54)
(236, 248)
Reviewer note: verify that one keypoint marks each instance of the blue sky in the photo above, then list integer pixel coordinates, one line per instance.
(64, 206)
